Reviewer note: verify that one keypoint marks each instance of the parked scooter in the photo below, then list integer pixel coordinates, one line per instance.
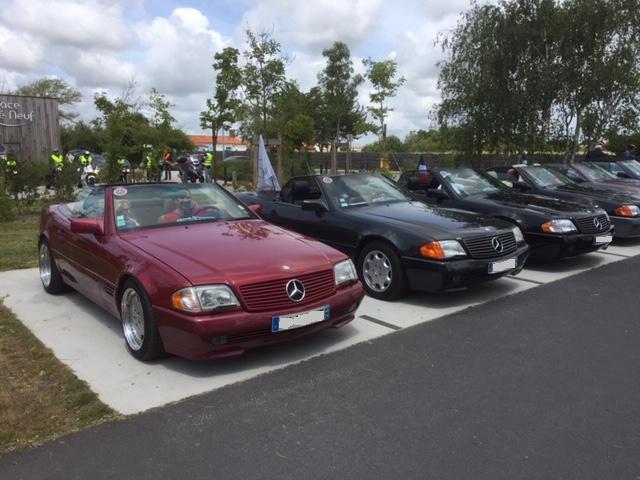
(188, 171)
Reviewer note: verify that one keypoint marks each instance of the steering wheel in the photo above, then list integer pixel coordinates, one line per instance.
(207, 211)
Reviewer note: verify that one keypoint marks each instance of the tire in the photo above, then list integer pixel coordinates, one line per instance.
(140, 332)
(49, 274)
(381, 272)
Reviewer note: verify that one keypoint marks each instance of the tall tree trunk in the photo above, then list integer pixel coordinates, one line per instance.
(214, 143)
(334, 157)
(576, 135)
(279, 162)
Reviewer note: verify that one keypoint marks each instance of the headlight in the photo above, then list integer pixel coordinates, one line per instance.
(443, 249)
(344, 272)
(627, 211)
(518, 234)
(559, 226)
(204, 298)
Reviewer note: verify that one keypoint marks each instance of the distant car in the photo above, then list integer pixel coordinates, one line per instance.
(191, 271)
(553, 228)
(396, 242)
(593, 175)
(621, 168)
(623, 209)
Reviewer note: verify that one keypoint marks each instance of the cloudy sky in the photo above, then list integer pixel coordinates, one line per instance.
(101, 45)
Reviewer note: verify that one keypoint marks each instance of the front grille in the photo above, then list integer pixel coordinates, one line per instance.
(482, 247)
(588, 224)
(272, 295)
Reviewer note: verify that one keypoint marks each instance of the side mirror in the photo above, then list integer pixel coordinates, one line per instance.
(87, 225)
(255, 208)
(421, 194)
(623, 175)
(313, 205)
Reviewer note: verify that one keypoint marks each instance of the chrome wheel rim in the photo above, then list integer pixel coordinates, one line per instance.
(45, 265)
(132, 319)
(377, 271)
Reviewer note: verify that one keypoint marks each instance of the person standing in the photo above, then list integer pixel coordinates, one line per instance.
(630, 152)
(522, 159)
(167, 164)
(208, 164)
(57, 161)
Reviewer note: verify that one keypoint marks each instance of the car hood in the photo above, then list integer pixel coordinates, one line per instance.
(598, 193)
(439, 223)
(238, 252)
(537, 203)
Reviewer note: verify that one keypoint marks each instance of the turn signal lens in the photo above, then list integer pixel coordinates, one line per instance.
(432, 250)
(443, 249)
(627, 211)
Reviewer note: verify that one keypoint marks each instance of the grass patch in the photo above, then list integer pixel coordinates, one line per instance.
(40, 398)
(19, 243)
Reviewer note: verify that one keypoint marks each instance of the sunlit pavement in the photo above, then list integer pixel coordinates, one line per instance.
(90, 341)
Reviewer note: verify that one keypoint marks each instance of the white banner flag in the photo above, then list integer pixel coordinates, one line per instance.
(267, 178)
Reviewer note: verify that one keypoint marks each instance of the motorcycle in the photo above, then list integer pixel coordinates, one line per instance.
(189, 172)
(89, 175)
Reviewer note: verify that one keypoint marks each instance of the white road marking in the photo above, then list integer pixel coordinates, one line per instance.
(90, 341)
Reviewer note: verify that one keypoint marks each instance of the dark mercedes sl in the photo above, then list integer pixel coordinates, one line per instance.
(623, 209)
(396, 241)
(553, 228)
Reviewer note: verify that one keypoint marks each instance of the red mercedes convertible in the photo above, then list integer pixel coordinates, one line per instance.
(192, 271)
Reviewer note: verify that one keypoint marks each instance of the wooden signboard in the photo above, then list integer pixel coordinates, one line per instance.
(29, 127)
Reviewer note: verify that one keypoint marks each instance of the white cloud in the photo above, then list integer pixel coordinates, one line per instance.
(84, 24)
(18, 51)
(179, 52)
(103, 44)
(313, 26)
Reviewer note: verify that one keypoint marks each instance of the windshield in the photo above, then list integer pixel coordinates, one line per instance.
(144, 206)
(466, 182)
(632, 165)
(594, 172)
(544, 178)
(360, 190)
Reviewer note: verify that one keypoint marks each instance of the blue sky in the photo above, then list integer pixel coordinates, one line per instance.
(103, 45)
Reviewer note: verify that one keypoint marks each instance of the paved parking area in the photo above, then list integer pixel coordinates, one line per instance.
(90, 341)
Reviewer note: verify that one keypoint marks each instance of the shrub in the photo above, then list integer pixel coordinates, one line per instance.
(7, 204)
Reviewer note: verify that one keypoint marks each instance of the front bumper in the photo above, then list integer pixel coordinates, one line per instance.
(547, 246)
(231, 333)
(626, 227)
(434, 276)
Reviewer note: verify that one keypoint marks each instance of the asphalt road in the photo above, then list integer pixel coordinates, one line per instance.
(542, 385)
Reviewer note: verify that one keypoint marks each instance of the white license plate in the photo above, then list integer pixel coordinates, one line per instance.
(502, 266)
(297, 320)
(603, 239)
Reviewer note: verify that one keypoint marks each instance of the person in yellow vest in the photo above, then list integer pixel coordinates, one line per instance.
(152, 168)
(57, 161)
(84, 158)
(10, 167)
(208, 163)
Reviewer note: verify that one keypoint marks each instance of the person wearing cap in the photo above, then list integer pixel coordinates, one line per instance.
(630, 152)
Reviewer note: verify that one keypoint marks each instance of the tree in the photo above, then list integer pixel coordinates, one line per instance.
(527, 73)
(57, 88)
(126, 130)
(222, 108)
(263, 77)
(339, 86)
(381, 75)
